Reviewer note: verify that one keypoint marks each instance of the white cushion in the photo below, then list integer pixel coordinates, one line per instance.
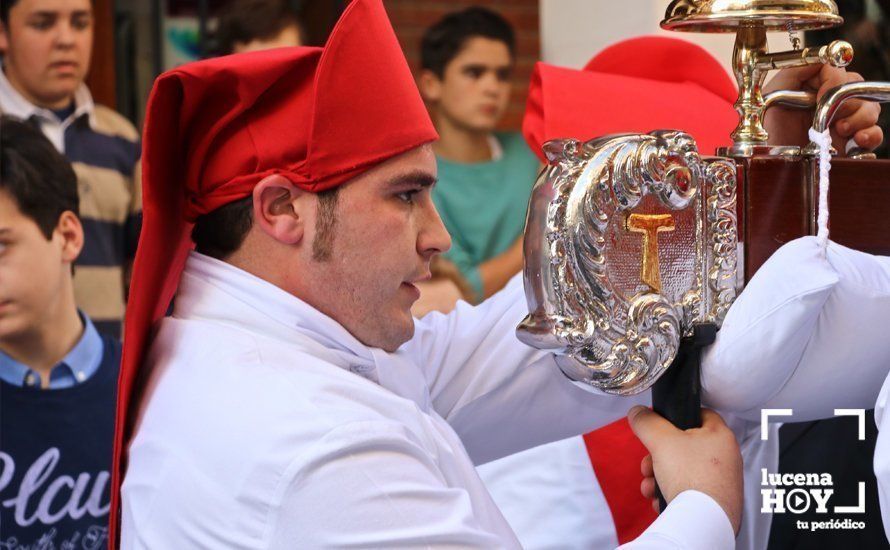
(810, 333)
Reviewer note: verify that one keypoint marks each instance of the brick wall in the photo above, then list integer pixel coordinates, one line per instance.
(411, 18)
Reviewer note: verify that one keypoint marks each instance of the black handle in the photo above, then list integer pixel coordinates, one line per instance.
(677, 394)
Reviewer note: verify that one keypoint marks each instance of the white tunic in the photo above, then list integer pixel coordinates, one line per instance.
(552, 498)
(810, 334)
(265, 424)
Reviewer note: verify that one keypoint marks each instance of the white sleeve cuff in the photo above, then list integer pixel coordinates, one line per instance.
(693, 521)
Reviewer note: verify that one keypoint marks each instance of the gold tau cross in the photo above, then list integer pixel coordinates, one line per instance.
(650, 225)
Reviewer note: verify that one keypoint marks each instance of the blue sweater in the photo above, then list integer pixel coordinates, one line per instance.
(55, 459)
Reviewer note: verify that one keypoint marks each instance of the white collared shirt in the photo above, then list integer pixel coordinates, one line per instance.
(13, 103)
(266, 424)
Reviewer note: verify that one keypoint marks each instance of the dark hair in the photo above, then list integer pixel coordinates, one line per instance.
(39, 178)
(325, 223)
(5, 6)
(443, 41)
(248, 20)
(221, 232)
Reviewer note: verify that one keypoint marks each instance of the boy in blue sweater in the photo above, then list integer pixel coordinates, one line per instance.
(58, 376)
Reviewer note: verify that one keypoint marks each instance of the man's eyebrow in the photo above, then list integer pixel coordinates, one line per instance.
(5, 230)
(423, 179)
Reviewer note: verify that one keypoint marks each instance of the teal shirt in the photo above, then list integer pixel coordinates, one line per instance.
(483, 205)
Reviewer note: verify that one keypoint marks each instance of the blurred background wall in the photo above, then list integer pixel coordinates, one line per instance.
(137, 39)
(572, 31)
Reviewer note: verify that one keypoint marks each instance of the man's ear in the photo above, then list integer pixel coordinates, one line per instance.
(280, 209)
(70, 231)
(430, 85)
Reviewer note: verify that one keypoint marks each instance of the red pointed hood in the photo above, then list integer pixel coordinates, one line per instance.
(215, 128)
(637, 85)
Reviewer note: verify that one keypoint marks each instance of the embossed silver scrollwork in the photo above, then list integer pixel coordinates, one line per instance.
(614, 344)
(722, 229)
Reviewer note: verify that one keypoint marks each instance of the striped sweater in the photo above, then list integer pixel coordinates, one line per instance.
(104, 150)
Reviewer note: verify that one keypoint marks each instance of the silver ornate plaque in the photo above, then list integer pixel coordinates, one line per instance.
(630, 241)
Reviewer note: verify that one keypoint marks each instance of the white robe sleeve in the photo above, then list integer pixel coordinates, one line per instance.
(882, 455)
(692, 521)
(808, 333)
(756, 455)
(373, 485)
(396, 497)
(500, 395)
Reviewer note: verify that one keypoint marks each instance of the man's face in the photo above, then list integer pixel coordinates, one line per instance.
(475, 89)
(385, 234)
(32, 272)
(48, 45)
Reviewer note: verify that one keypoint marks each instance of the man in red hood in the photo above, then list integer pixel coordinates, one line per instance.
(290, 400)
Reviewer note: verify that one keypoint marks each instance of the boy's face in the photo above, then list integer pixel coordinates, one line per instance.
(474, 90)
(33, 270)
(48, 45)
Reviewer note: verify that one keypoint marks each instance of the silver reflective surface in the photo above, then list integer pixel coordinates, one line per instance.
(630, 240)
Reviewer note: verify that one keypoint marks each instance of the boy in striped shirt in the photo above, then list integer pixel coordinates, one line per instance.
(47, 47)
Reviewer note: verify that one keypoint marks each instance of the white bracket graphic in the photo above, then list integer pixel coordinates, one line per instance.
(860, 509)
(765, 415)
(854, 412)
